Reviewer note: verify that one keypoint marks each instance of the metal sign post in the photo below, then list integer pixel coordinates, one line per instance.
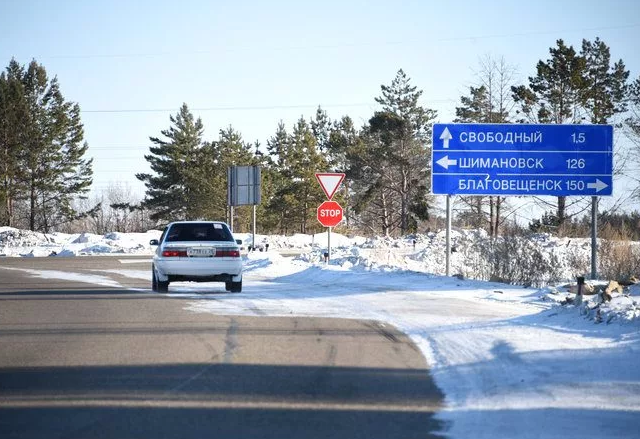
(594, 237)
(253, 238)
(448, 266)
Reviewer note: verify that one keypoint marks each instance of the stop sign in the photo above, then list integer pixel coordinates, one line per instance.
(329, 214)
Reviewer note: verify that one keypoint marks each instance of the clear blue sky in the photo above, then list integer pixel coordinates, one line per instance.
(248, 61)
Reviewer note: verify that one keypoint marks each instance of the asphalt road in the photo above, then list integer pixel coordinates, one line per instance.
(84, 361)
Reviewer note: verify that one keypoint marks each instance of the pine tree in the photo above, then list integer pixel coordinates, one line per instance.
(632, 123)
(72, 173)
(373, 171)
(474, 107)
(294, 192)
(400, 167)
(305, 160)
(343, 139)
(47, 144)
(13, 116)
(553, 96)
(604, 92)
(174, 192)
(321, 128)
(280, 203)
(208, 182)
(574, 88)
(402, 98)
(633, 120)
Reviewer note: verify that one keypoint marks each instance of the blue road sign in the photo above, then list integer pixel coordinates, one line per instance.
(514, 159)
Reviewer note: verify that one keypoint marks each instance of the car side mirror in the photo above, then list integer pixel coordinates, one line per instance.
(239, 241)
(153, 242)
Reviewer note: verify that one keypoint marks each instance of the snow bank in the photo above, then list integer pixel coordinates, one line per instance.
(25, 243)
(623, 308)
(421, 253)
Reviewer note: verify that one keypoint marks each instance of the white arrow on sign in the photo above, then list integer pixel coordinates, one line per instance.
(598, 185)
(445, 137)
(445, 162)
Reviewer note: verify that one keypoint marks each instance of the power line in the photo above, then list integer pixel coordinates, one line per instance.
(338, 46)
(534, 33)
(248, 108)
(234, 108)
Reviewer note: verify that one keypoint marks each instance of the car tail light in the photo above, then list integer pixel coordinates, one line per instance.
(227, 252)
(174, 253)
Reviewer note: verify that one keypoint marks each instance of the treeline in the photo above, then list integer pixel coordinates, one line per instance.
(386, 161)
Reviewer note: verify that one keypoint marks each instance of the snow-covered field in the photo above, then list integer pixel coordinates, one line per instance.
(513, 362)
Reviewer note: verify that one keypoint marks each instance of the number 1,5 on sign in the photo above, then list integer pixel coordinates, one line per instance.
(578, 138)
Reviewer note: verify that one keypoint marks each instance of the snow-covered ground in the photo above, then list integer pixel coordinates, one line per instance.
(513, 362)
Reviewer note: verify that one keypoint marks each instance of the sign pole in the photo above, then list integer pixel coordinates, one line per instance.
(253, 239)
(448, 269)
(329, 244)
(594, 237)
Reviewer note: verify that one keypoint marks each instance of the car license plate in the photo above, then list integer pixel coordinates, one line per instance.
(205, 252)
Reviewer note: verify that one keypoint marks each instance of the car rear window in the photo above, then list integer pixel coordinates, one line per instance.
(199, 232)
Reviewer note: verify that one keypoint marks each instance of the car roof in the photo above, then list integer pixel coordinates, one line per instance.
(197, 222)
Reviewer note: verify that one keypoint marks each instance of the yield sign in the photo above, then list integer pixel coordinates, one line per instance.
(329, 182)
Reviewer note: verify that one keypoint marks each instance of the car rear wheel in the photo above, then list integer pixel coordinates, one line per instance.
(156, 284)
(235, 287)
(154, 280)
(163, 287)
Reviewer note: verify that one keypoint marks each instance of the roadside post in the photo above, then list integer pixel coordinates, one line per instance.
(580, 290)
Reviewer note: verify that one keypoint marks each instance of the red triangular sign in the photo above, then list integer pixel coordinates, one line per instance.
(329, 182)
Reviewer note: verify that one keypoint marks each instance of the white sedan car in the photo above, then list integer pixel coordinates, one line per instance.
(197, 251)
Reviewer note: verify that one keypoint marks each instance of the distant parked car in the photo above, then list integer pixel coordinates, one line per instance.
(197, 251)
